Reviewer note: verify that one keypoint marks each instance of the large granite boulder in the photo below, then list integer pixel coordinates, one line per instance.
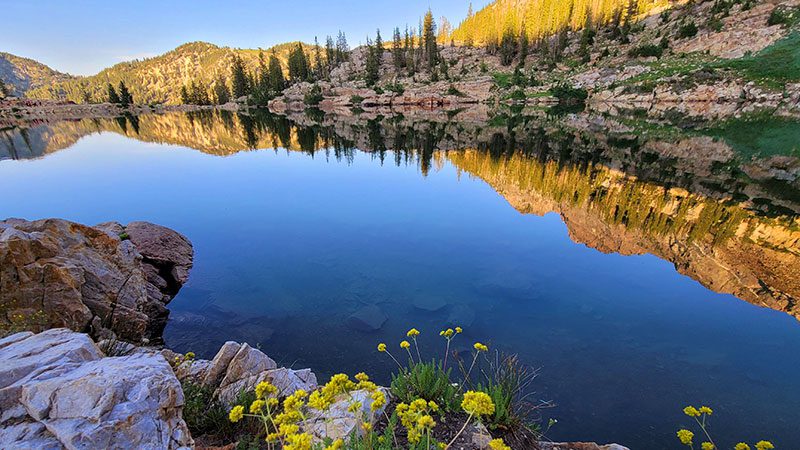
(57, 390)
(108, 280)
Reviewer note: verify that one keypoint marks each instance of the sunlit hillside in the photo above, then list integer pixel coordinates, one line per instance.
(22, 74)
(545, 17)
(159, 79)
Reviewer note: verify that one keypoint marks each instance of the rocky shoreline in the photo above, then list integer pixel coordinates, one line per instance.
(79, 383)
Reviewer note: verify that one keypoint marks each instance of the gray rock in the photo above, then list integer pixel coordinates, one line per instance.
(219, 365)
(286, 380)
(248, 361)
(58, 391)
(429, 303)
(338, 422)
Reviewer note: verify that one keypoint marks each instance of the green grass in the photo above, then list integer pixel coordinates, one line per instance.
(775, 65)
(760, 136)
(503, 80)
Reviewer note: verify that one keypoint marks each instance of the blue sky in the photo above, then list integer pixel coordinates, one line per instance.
(81, 37)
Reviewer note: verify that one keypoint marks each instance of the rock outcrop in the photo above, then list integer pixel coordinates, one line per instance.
(108, 280)
(57, 390)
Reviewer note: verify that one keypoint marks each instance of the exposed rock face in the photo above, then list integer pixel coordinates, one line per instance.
(58, 391)
(55, 273)
(339, 422)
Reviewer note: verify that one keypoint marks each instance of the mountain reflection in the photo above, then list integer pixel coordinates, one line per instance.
(729, 222)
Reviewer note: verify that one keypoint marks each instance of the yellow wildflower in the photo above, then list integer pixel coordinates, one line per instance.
(257, 406)
(685, 436)
(189, 356)
(498, 444)
(414, 436)
(405, 344)
(236, 413)
(378, 400)
(707, 446)
(426, 421)
(691, 411)
(741, 446)
(381, 347)
(298, 442)
(477, 403)
(272, 437)
(448, 333)
(272, 402)
(361, 376)
(706, 410)
(366, 426)
(264, 389)
(433, 406)
(288, 429)
(412, 333)
(335, 445)
(764, 445)
(480, 347)
(459, 330)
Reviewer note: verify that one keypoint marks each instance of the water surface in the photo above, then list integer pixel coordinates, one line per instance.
(564, 261)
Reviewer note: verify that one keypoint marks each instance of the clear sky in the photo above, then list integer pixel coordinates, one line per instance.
(83, 36)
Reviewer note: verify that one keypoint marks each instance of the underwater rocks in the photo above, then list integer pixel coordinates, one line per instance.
(108, 280)
(58, 390)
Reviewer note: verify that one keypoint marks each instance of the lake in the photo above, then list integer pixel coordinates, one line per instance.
(638, 273)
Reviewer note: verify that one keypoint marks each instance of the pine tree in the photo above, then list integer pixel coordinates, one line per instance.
(330, 54)
(125, 97)
(372, 65)
(431, 49)
(277, 82)
(524, 45)
(185, 95)
(3, 90)
(298, 65)
(112, 95)
(239, 82)
(379, 44)
(508, 46)
(221, 93)
(408, 51)
(342, 49)
(319, 66)
(397, 50)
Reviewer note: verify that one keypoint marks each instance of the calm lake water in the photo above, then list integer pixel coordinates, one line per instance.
(564, 258)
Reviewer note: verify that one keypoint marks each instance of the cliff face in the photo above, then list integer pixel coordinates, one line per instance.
(723, 246)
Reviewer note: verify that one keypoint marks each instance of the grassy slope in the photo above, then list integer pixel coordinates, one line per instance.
(24, 73)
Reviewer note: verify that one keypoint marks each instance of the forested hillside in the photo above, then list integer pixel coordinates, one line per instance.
(160, 79)
(21, 74)
(546, 17)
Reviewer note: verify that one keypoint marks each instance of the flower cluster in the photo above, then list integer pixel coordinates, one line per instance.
(417, 418)
(477, 403)
(498, 444)
(700, 415)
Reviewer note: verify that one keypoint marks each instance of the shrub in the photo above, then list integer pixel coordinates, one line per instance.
(356, 99)
(687, 30)
(397, 88)
(568, 94)
(646, 50)
(782, 16)
(314, 96)
(452, 90)
(206, 416)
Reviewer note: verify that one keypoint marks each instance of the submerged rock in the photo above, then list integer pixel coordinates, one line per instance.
(368, 318)
(57, 391)
(108, 280)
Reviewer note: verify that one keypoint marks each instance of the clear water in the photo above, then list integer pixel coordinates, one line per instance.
(289, 246)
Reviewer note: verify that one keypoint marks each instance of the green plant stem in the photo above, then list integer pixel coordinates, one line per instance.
(446, 354)
(703, 427)
(459, 432)
(466, 377)
(416, 346)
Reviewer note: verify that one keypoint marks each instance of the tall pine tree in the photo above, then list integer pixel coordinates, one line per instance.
(239, 81)
(431, 49)
(221, 93)
(113, 97)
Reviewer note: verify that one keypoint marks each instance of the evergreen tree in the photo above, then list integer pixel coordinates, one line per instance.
(298, 64)
(431, 49)
(125, 97)
(112, 95)
(319, 64)
(508, 46)
(373, 67)
(524, 45)
(239, 81)
(408, 51)
(277, 82)
(221, 93)
(330, 54)
(397, 50)
(185, 95)
(587, 38)
(379, 44)
(342, 49)
(3, 90)
(261, 91)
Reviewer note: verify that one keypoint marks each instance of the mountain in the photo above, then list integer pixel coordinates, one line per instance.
(159, 79)
(545, 17)
(23, 74)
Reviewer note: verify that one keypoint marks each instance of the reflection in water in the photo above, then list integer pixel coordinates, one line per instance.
(730, 224)
(295, 249)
